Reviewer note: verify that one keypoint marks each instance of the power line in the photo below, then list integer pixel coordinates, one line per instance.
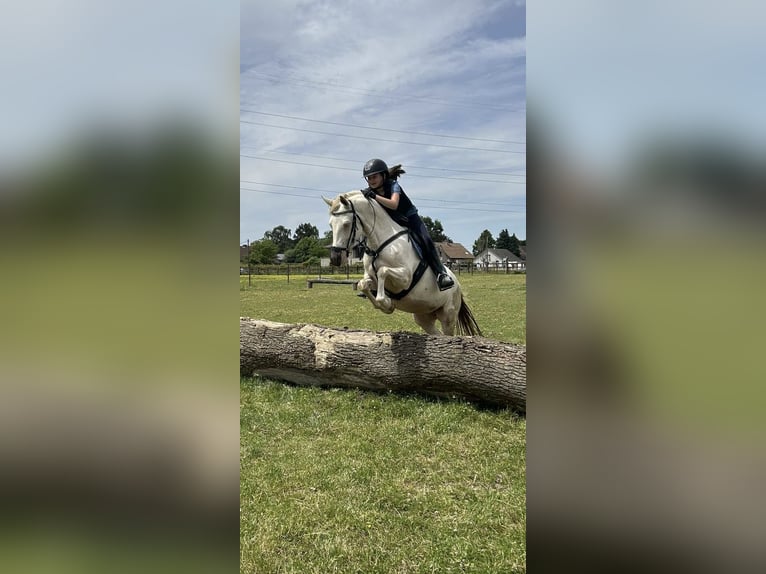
(335, 192)
(356, 170)
(440, 207)
(381, 129)
(360, 162)
(343, 88)
(381, 139)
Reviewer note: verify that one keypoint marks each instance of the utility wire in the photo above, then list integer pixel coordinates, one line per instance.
(335, 192)
(381, 139)
(382, 129)
(434, 207)
(356, 170)
(399, 97)
(361, 162)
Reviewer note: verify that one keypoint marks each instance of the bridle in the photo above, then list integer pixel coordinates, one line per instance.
(352, 235)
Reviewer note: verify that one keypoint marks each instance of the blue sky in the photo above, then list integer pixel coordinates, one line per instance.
(70, 67)
(443, 83)
(608, 75)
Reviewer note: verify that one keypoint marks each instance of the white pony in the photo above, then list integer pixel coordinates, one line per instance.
(394, 276)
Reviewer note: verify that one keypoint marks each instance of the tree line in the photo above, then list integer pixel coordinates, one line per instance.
(306, 246)
(303, 246)
(503, 241)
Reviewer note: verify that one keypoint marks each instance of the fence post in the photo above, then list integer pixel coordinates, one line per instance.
(249, 265)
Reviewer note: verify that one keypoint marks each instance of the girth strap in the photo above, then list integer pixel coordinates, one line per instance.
(415, 278)
(421, 269)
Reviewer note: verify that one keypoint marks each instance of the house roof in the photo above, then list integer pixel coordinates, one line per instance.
(453, 250)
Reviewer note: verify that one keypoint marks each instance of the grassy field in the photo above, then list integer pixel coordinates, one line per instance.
(498, 302)
(353, 481)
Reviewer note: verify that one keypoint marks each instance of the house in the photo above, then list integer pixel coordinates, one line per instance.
(325, 261)
(498, 259)
(453, 254)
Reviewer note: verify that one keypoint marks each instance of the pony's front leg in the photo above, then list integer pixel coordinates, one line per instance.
(395, 275)
(366, 284)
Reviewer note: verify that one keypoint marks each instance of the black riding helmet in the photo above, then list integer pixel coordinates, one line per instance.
(375, 166)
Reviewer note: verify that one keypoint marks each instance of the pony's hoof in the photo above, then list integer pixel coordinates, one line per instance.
(385, 305)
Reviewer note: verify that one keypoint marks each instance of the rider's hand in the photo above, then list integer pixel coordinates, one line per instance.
(368, 193)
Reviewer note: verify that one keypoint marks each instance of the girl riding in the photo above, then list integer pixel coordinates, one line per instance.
(389, 194)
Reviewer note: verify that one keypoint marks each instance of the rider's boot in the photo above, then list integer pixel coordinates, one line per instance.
(444, 281)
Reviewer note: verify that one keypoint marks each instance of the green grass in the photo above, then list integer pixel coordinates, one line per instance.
(342, 481)
(498, 303)
(347, 481)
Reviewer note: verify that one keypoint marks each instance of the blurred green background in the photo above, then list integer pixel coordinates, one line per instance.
(118, 338)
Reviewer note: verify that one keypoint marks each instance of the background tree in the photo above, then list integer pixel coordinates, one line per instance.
(308, 248)
(280, 236)
(514, 248)
(503, 240)
(485, 241)
(435, 229)
(263, 252)
(305, 230)
(509, 242)
(326, 238)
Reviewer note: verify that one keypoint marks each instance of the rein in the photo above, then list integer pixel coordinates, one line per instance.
(374, 254)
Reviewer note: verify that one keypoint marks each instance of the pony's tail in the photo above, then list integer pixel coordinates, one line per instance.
(466, 324)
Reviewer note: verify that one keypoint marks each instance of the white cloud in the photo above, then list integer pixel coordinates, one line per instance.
(418, 66)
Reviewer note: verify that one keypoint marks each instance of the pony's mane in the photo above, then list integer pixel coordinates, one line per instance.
(350, 195)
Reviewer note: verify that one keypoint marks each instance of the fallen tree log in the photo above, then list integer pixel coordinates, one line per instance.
(475, 368)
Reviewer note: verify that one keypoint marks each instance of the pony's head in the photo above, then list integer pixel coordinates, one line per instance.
(345, 224)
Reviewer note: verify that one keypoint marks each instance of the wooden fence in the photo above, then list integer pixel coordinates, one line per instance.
(356, 269)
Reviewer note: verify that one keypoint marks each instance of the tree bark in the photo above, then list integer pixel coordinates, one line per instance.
(475, 368)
